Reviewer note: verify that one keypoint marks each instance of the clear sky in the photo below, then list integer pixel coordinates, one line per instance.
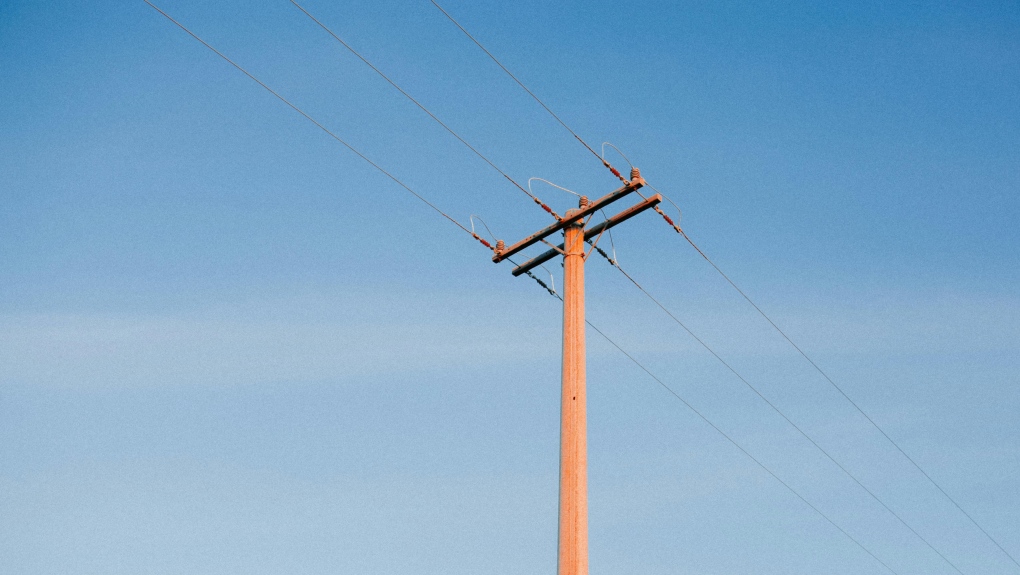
(228, 345)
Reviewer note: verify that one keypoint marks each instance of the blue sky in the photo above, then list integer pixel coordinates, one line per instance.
(229, 345)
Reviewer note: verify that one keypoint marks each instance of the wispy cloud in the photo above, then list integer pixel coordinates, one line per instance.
(251, 343)
(317, 338)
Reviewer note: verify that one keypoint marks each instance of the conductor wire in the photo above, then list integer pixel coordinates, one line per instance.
(622, 155)
(821, 372)
(530, 93)
(455, 222)
(741, 448)
(320, 126)
(553, 185)
(718, 430)
(832, 383)
(774, 408)
(543, 205)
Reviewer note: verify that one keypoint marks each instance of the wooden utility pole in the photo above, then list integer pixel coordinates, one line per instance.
(573, 541)
(573, 518)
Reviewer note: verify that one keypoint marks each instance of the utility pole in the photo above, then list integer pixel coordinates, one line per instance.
(573, 516)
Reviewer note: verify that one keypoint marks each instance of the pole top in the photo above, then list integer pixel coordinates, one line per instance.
(573, 212)
(572, 217)
(582, 203)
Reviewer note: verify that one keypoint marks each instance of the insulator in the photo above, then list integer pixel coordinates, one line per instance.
(583, 202)
(635, 173)
(500, 245)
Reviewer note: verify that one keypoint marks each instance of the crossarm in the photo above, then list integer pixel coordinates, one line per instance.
(574, 216)
(590, 233)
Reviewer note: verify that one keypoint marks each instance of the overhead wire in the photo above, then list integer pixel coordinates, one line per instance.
(414, 100)
(780, 412)
(756, 391)
(421, 106)
(553, 185)
(551, 290)
(601, 157)
(535, 199)
(744, 295)
(680, 213)
(610, 232)
(321, 127)
(726, 436)
(614, 171)
(831, 382)
(742, 450)
(618, 151)
(465, 229)
(849, 399)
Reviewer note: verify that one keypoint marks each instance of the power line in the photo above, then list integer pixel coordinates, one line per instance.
(767, 318)
(780, 412)
(530, 93)
(601, 157)
(475, 236)
(716, 427)
(320, 126)
(744, 451)
(817, 368)
(848, 398)
(542, 204)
